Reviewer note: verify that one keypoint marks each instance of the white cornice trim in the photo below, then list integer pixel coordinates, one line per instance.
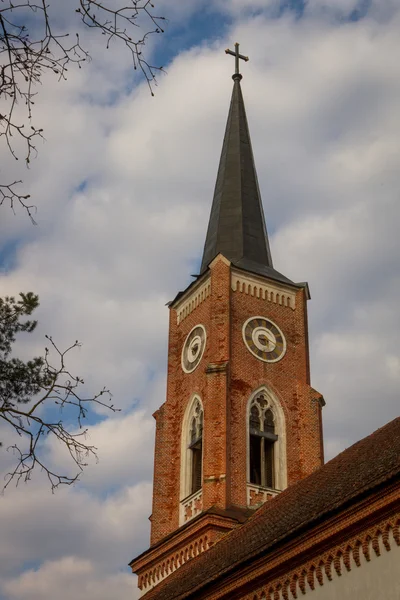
(267, 290)
(190, 301)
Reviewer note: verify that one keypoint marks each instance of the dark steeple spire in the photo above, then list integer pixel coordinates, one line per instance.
(237, 227)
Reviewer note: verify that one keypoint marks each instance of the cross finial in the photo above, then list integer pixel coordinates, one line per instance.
(236, 76)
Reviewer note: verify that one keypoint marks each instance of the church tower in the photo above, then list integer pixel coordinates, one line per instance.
(241, 421)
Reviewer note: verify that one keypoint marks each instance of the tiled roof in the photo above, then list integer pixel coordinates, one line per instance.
(356, 471)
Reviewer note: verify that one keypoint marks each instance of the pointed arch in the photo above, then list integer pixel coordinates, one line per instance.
(192, 448)
(266, 440)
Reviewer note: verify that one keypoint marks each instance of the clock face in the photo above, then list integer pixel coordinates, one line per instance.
(193, 348)
(264, 339)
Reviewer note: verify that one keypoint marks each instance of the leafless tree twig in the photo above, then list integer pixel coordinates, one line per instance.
(29, 389)
(31, 45)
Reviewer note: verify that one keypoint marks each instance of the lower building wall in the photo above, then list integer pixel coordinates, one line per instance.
(374, 580)
(368, 571)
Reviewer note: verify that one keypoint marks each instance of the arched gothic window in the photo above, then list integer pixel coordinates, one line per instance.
(266, 442)
(192, 449)
(196, 448)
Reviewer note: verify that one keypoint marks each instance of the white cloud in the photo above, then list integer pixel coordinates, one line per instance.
(125, 452)
(237, 8)
(108, 529)
(393, 366)
(71, 577)
(322, 102)
(340, 7)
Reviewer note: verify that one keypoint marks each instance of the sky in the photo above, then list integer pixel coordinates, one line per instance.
(123, 186)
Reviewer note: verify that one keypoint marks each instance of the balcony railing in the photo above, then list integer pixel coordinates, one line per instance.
(190, 507)
(257, 495)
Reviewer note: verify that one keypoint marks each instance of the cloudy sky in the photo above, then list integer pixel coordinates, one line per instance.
(123, 186)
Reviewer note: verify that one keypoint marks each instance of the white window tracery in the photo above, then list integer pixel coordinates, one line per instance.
(192, 448)
(266, 441)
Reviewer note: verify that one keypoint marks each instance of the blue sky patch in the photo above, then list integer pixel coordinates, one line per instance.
(8, 255)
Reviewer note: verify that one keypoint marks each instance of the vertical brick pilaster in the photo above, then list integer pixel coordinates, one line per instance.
(216, 409)
(167, 463)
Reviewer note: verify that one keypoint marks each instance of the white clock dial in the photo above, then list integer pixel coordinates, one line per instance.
(193, 348)
(264, 339)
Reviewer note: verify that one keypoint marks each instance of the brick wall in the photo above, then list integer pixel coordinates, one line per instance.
(225, 378)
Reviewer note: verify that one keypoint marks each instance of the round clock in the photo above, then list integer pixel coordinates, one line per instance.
(193, 348)
(264, 339)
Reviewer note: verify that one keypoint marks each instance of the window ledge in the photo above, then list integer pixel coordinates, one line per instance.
(257, 495)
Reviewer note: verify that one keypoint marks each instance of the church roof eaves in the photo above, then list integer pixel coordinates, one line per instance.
(355, 472)
(198, 279)
(263, 270)
(271, 274)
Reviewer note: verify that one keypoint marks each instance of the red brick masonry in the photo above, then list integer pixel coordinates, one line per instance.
(225, 379)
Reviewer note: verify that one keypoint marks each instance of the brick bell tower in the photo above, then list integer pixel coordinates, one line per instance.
(241, 421)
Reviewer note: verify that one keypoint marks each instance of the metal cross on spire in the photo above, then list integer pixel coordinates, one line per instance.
(236, 54)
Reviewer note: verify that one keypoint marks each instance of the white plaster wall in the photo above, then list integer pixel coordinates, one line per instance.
(378, 579)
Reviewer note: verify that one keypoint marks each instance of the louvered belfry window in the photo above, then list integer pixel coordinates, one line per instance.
(196, 448)
(261, 442)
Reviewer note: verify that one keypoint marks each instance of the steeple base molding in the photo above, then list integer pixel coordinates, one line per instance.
(190, 540)
(263, 288)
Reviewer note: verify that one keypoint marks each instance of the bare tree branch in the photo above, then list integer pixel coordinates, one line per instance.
(30, 47)
(28, 389)
(8, 193)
